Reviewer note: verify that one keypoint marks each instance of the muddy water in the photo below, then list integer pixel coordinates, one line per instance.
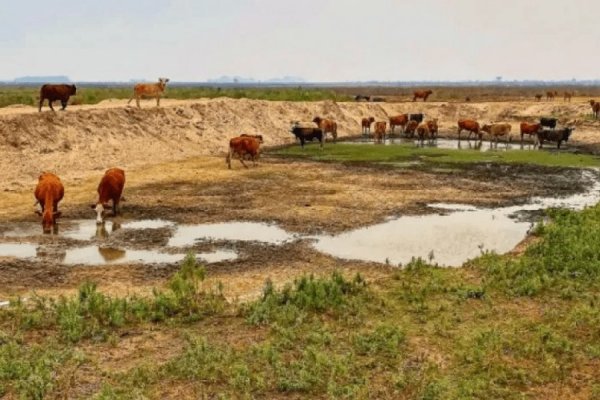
(94, 255)
(187, 235)
(457, 234)
(451, 144)
(20, 250)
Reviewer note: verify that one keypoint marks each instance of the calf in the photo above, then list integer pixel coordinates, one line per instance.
(48, 193)
(423, 132)
(366, 125)
(432, 125)
(529, 129)
(469, 125)
(398, 120)
(548, 122)
(538, 97)
(421, 94)
(243, 146)
(56, 92)
(328, 126)
(497, 130)
(380, 131)
(411, 127)
(558, 136)
(595, 108)
(110, 189)
(307, 134)
(144, 90)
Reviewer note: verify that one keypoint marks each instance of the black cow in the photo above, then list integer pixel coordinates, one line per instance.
(360, 97)
(416, 117)
(378, 99)
(554, 135)
(307, 134)
(548, 122)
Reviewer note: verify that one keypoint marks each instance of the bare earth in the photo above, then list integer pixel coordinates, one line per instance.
(174, 158)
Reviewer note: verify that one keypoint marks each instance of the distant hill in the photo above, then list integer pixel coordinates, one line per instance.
(241, 79)
(43, 79)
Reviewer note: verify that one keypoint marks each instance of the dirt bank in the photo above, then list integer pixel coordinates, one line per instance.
(87, 139)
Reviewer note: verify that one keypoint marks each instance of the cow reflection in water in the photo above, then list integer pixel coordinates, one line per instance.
(102, 232)
(474, 145)
(50, 252)
(110, 254)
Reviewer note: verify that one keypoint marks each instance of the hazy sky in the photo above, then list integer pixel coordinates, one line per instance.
(319, 40)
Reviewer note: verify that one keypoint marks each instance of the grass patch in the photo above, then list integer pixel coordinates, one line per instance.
(430, 156)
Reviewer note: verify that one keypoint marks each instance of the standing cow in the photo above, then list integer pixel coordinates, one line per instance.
(380, 127)
(110, 189)
(366, 125)
(56, 92)
(242, 146)
(497, 130)
(422, 94)
(328, 126)
(595, 108)
(469, 125)
(398, 120)
(152, 90)
(48, 193)
(529, 129)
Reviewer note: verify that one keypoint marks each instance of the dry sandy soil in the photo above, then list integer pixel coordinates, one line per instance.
(172, 173)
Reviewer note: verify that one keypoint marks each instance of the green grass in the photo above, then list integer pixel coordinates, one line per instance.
(431, 156)
(94, 95)
(501, 327)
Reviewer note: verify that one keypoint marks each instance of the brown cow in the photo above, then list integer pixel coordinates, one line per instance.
(530, 129)
(110, 188)
(398, 120)
(538, 97)
(497, 130)
(243, 146)
(327, 125)
(551, 95)
(469, 125)
(421, 94)
(411, 127)
(258, 137)
(144, 90)
(366, 125)
(595, 108)
(432, 125)
(56, 92)
(423, 132)
(48, 192)
(567, 96)
(380, 127)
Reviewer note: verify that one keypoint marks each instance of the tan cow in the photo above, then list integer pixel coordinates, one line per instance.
(146, 90)
(497, 130)
(423, 132)
(380, 127)
(327, 125)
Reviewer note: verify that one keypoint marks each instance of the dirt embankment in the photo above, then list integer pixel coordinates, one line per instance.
(87, 139)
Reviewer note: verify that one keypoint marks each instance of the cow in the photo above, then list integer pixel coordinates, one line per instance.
(567, 96)
(398, 120)
(467, 99)
(56, 92)
(411, 127)
(497, 130)
(366, 125)
(538, 97)
(554, 135)
(421, 94)
(551, 95)
(110, 189)
(529, 129)
(423, 132)
(380, 131)
(416, 117)
(144, 90)
(307, 134)
(469, 125)
(48, 193)
(548, 122)
(595, 108)
(243, 146)
(327, 125)
(360, 97)
(432, 125)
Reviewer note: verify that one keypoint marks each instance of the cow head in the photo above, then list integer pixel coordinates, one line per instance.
(486, 128)
(592, 102)
(49, 219)
(163, 82)
(317, 120)
(567, 132)
(73, 90)
(100, 211)
(428, 92)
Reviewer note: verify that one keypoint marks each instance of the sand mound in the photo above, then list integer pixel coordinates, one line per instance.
(86, 139)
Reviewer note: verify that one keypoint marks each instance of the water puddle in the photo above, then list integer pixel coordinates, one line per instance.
(18, 250)
(94, 255)
(450, 144)
(187, 235)
(462, 233)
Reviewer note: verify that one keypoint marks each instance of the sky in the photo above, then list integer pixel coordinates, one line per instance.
(318, 40)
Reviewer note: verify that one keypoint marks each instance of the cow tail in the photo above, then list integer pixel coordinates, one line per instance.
(228, 158)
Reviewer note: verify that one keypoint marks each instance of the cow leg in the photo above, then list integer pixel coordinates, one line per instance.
(50, 104)
(63, 103)
(242, 161)
(40, 106)
(137, 101)
(302, 142)
(158, 101)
